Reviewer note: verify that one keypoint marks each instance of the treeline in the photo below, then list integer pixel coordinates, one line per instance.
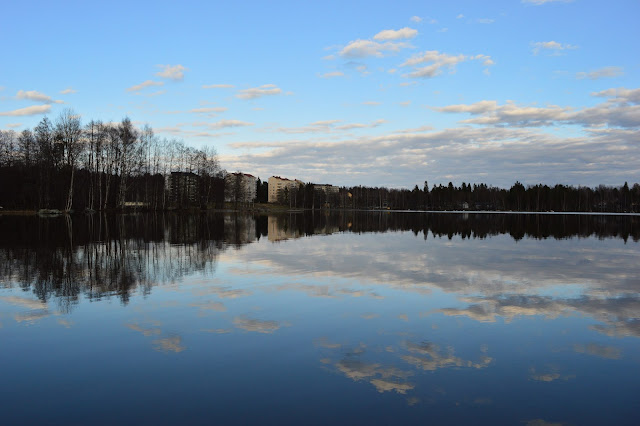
(538, 198)
(67, 166)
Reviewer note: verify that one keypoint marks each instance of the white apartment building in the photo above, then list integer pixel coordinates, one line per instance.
(277, 185)
(241, 185)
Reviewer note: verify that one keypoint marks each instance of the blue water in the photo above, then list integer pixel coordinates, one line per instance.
(325, 327)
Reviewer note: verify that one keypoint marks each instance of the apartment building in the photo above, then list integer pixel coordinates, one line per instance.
(277, 186)
(241, 186)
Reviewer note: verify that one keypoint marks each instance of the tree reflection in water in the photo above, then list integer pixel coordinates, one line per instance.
(104, 255)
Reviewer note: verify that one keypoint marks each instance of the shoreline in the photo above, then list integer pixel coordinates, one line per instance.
(280, 210)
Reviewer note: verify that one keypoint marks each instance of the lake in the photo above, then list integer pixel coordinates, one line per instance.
(341, 318)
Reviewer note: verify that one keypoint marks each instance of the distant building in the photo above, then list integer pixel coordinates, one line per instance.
(240, 187)
(277, 185)
(184, 188)
(326, 188)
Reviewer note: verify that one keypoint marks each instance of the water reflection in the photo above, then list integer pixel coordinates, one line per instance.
(385, 318)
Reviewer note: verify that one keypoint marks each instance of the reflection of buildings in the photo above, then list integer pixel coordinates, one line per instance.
(183, 188)
(239, 229)
(277, 186)
(240, 187)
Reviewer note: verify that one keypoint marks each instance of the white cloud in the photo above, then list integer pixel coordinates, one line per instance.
(486, 60)
(476, 108)
(329, 57)
(372, 103)
(32, 110)
(218, 86)
(485, 21)
(208, 110)
(68, 91)
(416, 19)
(222, 124)
(621, 95)
(258, 92)
(436, 60)
(606, 72)
(403, 33)
(172, 72)
(144, 84)
(363, 48)
(33, 95)
(460, 16)
(622, 109)
(552, 46)
(329, 126)
(332, 74)
(13, 125)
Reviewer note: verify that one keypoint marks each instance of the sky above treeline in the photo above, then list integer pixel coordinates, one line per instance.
(349, 93)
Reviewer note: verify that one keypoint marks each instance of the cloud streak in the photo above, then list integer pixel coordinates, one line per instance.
(259, 92)
(35, 96)
(144, 84)
(431, 63)
(32, 110)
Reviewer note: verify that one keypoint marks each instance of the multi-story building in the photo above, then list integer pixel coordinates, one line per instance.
(328, 189)
(277, 186)
(240, 187)
(184, 188)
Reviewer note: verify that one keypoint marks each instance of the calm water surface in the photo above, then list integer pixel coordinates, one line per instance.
(354, 318)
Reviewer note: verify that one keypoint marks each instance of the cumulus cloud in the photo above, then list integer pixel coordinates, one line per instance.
(363, 48)
(416, 19)
(332, 74)
(606, 72)
(553, 47)
(402, 33)
(32, 110)
(35, 96)
(144, 84)
(68, 91)
(172, 72)
(258, 92)
(620, 95)
(437, 61)
(218, 86)
(620, 110)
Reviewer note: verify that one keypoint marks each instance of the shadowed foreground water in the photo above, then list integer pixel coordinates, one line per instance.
(352, 318)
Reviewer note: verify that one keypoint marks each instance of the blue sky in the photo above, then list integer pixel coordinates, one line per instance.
(370, 93)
